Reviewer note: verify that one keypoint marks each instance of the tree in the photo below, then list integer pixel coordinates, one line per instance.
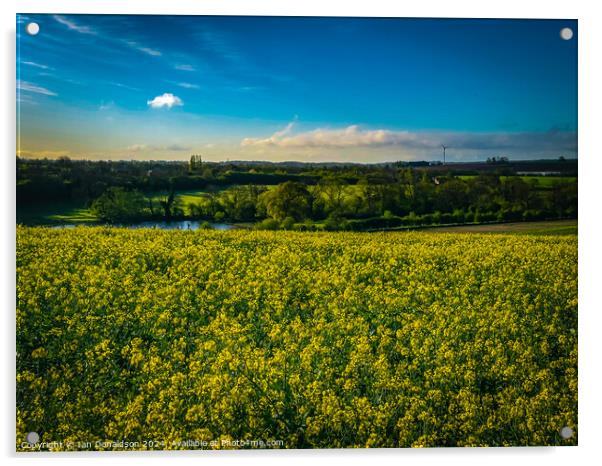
(452, 194)
(497, 160)
(332, 190)
(118, 205)
(289, 199)
(195, 163)
(422, 196)
(170, 205)
(564, 199)
(517, 192)
(240, 202)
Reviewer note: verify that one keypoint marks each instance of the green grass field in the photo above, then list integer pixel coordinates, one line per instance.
(184, 197)
(54, 213)
(76, 212)
(551, 227)
(542, 181)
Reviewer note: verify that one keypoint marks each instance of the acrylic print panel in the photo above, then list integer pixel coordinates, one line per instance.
(270, 232)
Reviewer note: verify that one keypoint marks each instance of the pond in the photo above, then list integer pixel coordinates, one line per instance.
(160, 225)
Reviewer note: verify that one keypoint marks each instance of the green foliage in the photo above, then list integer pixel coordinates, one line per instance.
(268, 224)
(195, 163)
(119, 205)
(288, 223)
(290, 199)
(171, 205)
(331, 190)
(252, 192)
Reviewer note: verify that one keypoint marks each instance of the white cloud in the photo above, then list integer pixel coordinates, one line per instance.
(351, 136)
(184, 67)
(274, 140)
(73, 26)
(166, 100)
(546, 142)
(189, 86)
(30, 87)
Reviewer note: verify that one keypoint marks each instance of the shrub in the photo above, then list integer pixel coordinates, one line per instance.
(268, 224)
(411, 219)
(448, 218)
(459, 216)
(288, 223)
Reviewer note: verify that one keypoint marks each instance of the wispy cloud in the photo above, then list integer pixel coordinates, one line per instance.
(219, 43)
(249, 88)
(157, 148)
(31, 87)
(72, 25)
(275, 139)
(166, 100)
(223, 50)
(26, 99)
(60, 78)
(106, 105)
(136, 147)
(189, 86)
(149, 51)
(125, 86)
(140, 48)
(184, 67)
(36, 65)
(107, 37)
(177, 147)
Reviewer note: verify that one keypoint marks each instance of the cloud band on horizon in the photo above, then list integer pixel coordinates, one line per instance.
(355, 137)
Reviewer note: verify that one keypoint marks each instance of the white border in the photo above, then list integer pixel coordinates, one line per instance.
(590, 170)
(432, 8)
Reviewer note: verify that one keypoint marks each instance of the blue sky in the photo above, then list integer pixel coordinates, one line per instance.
(362, 90)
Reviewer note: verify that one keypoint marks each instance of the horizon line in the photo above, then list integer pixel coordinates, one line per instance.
(240, 161)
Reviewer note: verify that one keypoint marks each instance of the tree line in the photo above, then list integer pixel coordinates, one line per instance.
(408, 198)
(48, 180)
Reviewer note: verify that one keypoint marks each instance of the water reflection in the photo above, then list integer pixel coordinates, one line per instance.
(163, 225)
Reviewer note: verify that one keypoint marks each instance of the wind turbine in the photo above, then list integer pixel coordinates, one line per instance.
(444, 147)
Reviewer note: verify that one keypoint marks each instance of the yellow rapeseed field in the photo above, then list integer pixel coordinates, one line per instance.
(150, 339)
